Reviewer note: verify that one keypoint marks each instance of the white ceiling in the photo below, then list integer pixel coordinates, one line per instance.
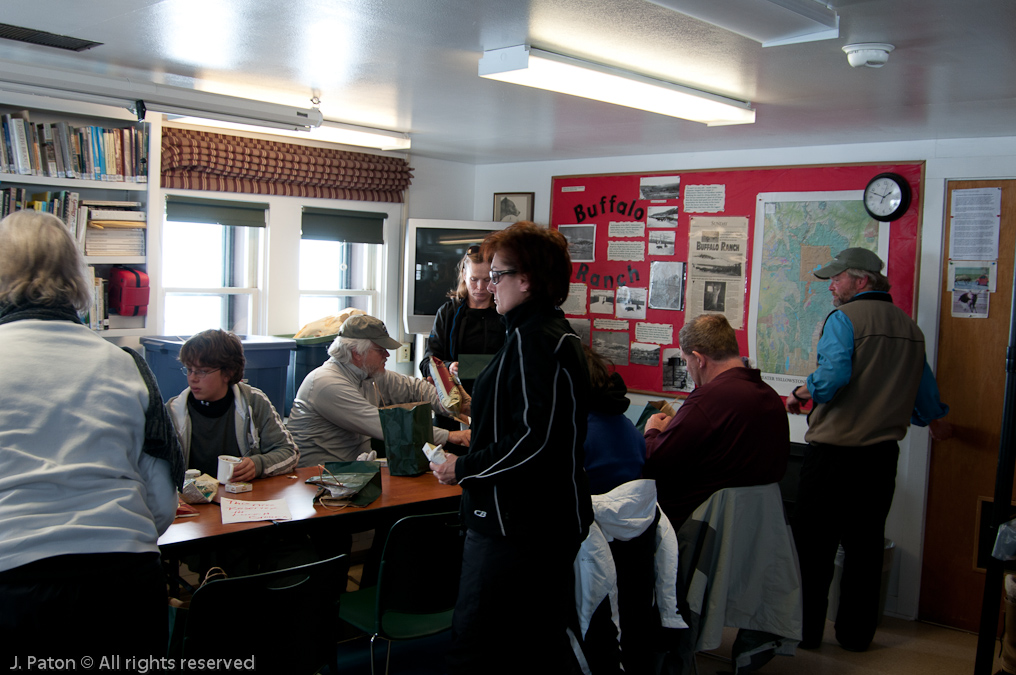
(411, 65)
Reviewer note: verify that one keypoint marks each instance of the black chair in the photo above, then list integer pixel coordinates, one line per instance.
(287, 619)
(417, 583)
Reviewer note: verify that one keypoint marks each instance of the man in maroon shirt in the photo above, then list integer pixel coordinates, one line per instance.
(731, 431)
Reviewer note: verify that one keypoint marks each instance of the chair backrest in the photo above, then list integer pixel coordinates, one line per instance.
(739, 565)
(420, 565)
(287, 619)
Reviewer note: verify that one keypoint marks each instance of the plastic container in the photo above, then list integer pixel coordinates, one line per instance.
(309, 354)
(834, 587)
(267, 363)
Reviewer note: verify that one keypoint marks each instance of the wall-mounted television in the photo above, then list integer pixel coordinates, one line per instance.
(433, 250)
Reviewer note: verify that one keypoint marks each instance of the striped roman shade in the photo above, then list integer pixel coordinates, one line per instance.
(199, 160)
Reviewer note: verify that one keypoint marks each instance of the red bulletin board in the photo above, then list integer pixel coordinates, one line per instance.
(616, 198)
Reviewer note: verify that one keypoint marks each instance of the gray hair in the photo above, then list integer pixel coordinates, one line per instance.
(342, 348)
(876, 280)
(40, 263)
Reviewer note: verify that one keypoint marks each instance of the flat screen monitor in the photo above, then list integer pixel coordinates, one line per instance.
(433, 251)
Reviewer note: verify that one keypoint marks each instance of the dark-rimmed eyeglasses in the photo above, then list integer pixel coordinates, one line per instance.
(495, 275)
(198, 372)
(473, 250)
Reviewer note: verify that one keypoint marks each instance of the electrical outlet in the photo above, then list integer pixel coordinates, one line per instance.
(404, 353)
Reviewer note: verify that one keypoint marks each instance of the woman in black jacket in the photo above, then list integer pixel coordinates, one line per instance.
(525, 496)
(467, 324)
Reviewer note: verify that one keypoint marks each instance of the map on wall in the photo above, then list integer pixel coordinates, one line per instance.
(795, 234)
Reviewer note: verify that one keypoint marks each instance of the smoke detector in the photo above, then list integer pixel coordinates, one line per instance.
(871, 54)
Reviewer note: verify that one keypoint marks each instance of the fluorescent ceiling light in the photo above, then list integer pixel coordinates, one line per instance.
(328, 132)
(127, 93)
(771, 22)
(545, 70)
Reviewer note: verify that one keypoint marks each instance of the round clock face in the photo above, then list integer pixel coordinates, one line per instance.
(887, 197)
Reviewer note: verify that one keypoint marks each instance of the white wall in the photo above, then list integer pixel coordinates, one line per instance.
(945, 160)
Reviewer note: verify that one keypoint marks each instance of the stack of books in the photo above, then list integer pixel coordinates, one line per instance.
(111, 228)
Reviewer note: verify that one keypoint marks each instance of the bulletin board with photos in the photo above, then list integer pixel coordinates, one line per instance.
(652, 250)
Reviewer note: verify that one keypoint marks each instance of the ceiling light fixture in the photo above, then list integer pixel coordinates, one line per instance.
(533, 67)
(140, 96)
(330, 131)
(771, 22)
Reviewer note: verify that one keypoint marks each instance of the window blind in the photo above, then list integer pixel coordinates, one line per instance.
(224, 212)
(363, 227)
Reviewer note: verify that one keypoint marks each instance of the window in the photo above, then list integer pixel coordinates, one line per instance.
(340, 253)
(210, 265)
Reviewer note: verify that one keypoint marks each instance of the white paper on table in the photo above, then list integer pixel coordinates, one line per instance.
(248, 511)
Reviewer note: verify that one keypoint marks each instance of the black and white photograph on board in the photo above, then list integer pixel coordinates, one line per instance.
(675, 371)
(644, 354)
(601, 301)
(581, 242)
(612, 345)
(661, 242)
(666, 285)
(631, 303)
(662, 216)
(582, 329)
(714, 296)
(660, 188)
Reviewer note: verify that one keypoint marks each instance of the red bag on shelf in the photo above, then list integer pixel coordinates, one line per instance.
(128, 291)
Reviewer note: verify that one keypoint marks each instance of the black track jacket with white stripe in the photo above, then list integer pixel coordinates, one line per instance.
(523, 473)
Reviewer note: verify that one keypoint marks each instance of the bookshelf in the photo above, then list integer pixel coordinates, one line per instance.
(123, 179)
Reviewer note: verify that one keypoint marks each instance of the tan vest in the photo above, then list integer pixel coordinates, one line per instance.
(888, 362)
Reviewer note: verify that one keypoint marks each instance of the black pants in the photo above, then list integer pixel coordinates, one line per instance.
(76, 606)
(844, 498)
(516, 598)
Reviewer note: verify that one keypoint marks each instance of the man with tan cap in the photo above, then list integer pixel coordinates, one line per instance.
(871, 383)
(335, 413)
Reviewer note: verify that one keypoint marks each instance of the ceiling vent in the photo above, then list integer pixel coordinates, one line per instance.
(40, 37)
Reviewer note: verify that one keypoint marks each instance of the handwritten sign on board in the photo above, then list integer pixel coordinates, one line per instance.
(247, 511)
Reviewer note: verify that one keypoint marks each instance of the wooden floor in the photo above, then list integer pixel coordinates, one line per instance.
(900, 648)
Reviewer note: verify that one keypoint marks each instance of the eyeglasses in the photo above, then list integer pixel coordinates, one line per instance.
(379, 350)
(198, 372)
(473, 250)
(495, 275)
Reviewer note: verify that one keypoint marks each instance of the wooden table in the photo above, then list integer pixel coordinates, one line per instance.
(400, 496)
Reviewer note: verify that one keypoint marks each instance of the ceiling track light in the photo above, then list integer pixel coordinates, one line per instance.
(537, 68)
(139, 96)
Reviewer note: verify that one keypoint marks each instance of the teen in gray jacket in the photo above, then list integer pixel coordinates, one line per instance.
(219, 415)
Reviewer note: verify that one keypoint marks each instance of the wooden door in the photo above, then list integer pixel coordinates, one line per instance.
(961, 485)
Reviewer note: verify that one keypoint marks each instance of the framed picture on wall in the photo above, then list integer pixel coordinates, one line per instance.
(510, 207)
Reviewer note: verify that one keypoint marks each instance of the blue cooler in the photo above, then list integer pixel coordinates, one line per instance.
(309, 354)
(267, 363)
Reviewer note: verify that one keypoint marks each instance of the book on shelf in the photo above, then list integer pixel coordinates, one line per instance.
(60, 150)
(117, 214)
(19, 141)
(110, 204)
(110, 242)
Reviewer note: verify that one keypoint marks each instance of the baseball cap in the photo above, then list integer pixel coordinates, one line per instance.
(363, 327)
(851, 259)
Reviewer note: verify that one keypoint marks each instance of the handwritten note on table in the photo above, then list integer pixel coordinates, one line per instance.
(246, 511)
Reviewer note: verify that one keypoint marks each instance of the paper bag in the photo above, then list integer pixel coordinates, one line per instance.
(652, 408)
(363, 478)
(406, 427)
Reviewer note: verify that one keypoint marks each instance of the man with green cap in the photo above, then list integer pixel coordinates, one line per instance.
(871, 382)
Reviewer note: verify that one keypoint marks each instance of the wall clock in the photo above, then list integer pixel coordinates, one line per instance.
(887, 196)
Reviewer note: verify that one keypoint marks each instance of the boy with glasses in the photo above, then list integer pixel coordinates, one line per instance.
(220, 415)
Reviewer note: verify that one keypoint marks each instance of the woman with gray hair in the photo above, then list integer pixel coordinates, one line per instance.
(88, 467)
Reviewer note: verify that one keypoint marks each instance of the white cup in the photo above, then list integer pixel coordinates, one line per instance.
(226, 465)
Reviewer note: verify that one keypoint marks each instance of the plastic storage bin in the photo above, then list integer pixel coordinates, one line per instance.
(309, 354)
(267, 363)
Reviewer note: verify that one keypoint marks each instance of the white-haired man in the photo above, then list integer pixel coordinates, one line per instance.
(335, 412)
